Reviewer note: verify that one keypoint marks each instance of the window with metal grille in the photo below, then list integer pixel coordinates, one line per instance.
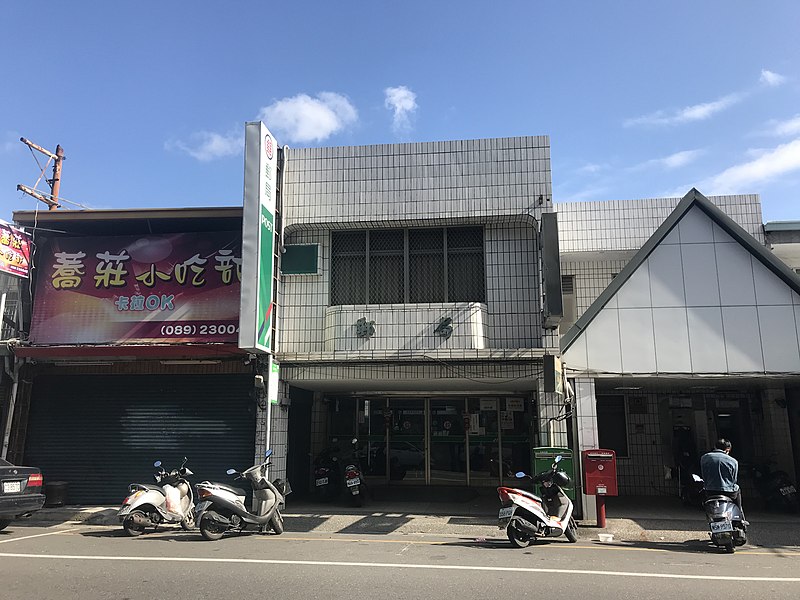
(349, 267)
(465, 270)
(402, 266)
(386, 265)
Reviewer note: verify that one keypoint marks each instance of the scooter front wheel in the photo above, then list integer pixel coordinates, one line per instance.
(210, 529)
(516, 537)
(131, 528)
(188, 523)
(571, 531)
(276, 522)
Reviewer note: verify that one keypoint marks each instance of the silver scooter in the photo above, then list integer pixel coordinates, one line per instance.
(171, 501)
(726, 524)
(221, 507)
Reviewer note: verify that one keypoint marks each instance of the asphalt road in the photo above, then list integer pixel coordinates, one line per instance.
(93, 562)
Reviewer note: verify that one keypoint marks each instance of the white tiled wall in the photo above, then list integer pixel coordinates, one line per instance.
(398, 326)
(627, 224)
(496, 183)
(366, 186)
(701, 285)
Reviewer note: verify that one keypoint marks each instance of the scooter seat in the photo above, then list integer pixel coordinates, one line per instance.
(719, 498)
(231, 489)
(150, 486)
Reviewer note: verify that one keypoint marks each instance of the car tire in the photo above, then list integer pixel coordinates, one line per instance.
(4, 523)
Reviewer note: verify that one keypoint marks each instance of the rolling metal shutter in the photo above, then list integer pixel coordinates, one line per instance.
(99, 433)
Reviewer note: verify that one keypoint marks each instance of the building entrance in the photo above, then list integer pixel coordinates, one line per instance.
(445, 440)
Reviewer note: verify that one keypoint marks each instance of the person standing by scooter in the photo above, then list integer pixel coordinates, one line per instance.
(720, 473)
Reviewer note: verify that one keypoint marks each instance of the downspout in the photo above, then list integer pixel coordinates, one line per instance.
(281, 250)
(14, 374)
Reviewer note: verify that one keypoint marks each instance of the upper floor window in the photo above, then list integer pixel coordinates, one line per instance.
(407, 266)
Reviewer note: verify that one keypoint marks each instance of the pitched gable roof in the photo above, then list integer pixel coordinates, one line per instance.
(692, 199)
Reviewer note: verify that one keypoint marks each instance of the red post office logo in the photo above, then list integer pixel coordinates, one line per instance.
(268, 146)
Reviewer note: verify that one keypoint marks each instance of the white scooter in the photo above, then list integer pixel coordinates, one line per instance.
(221, 507)
(149, 505)
(525, 516)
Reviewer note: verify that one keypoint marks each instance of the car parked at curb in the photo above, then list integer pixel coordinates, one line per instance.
(20, 492)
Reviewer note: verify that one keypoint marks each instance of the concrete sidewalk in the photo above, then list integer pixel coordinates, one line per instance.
(642, 521)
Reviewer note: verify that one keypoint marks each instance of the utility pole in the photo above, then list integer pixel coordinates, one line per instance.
(54, 183)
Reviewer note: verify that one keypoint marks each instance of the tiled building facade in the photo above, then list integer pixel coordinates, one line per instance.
(657, 396)
(426, 298)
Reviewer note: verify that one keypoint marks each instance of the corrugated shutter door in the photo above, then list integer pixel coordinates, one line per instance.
(102, 432)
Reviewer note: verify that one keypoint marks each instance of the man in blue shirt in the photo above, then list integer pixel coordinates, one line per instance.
(720, 473)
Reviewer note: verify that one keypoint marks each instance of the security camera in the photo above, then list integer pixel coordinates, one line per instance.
(259, 382)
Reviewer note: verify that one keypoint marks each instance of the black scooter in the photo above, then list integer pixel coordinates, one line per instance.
(336, 473)
(221, 507)
(776, 488)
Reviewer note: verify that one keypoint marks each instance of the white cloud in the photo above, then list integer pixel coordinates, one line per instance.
(10, 143)
(403, 102)
(789, 127)
(591, 168)
(766, 167)
(206, 146)
(771, 79)
(303, 119)
(688, 114)
(673, 161)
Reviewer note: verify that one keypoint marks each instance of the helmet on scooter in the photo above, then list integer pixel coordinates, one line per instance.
(561, 479)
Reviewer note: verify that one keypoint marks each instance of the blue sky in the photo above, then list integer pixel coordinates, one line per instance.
(640, 99)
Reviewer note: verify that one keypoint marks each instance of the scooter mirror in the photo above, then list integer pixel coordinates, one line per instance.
(520, 475)
(231, 471)
(268, 453)
(157, 463)
(558, 458)
(355, 441)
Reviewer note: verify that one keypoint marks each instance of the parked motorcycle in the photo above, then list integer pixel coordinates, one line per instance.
(726, 523)
(221, 507)
(336, 473)
(525, 516)
(775, 487)
(171, 501)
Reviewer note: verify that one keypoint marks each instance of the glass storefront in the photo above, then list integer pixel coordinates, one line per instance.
(450, 440)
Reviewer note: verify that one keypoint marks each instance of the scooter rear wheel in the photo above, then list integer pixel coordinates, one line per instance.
(516, 537)
(210, 529)
(131, 528)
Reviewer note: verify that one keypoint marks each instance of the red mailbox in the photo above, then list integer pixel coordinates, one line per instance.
(600, 478)
(600, 472)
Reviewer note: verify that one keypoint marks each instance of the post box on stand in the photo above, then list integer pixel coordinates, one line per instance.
(600, 478)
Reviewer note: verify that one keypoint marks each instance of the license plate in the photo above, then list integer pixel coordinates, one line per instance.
(322, 481)
(720, 526)
(353, 481)
(789, 489)
(10, 487)
(506, 513)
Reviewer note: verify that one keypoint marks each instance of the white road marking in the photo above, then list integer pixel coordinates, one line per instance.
(28, 537)
(321, 563)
